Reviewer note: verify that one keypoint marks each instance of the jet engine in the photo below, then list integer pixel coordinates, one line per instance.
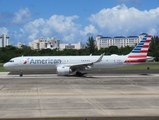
(63, 70)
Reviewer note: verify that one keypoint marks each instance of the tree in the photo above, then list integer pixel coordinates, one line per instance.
(91, 45)
(154, 48)
(113, 50)
(125, 50)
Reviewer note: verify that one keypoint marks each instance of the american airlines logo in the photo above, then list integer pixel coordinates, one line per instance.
(26, 61)
(45, 61)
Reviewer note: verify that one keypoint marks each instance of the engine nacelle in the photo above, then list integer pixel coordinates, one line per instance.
(63, 70)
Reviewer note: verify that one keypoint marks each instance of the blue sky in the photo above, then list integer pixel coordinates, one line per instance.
(74, 21)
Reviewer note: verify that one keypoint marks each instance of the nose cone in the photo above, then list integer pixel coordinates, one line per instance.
(6, 66)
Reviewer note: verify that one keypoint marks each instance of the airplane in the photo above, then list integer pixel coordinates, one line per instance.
(67, 65)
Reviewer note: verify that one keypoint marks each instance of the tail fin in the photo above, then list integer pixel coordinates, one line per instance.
(139, 53)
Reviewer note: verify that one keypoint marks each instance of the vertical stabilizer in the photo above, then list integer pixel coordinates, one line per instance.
(139, 53)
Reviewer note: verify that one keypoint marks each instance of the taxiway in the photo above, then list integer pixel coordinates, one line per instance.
(96, 96)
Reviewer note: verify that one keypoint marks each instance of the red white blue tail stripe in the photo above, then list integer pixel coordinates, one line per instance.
(139, 53)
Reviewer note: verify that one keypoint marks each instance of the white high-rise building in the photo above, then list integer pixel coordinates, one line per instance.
(4, 40)
(19, 45)
(77, 46)
(119, 41)
(51, 43)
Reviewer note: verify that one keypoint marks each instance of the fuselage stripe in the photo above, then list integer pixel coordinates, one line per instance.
(137, 56)
(134, 61)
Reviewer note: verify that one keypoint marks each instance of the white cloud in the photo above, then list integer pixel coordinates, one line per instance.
(62, 24)
(59, 26)
(69, 38)
(45, 31)
(121, 20)
(22, 16)
(152, 31)
(89, 30)
(3, 30)
(132, 2)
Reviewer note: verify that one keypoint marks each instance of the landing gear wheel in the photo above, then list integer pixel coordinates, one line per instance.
(79, 74)
(21, 74)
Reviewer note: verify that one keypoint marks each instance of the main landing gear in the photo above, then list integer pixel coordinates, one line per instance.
(79, 74)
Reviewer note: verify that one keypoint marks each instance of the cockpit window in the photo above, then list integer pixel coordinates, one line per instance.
(11, 61)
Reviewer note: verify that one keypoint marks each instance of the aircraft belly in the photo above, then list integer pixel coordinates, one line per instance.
(41, 67)
(38, 67)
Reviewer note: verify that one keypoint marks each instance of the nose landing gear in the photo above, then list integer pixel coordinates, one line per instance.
(21, 74)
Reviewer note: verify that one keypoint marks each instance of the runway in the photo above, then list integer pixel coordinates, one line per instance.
(99, 96)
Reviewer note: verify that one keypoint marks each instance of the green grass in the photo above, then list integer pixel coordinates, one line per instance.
(150, 65)
(2, 69)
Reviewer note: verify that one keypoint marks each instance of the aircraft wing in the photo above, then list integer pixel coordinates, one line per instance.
(83, 66)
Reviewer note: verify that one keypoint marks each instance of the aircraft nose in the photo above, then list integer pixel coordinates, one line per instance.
(5, 66)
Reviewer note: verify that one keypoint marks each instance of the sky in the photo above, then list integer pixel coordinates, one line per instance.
(73, 21)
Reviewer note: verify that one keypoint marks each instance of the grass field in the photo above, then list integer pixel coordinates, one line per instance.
(2, 69)
(150, 65)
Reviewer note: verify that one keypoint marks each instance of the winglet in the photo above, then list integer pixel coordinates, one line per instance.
(100, 58)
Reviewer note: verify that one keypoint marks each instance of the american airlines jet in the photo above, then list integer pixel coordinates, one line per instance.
(66, 65)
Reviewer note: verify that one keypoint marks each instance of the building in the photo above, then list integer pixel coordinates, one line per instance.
(19, 45)
(119, 41)
(49, 43)
(4, 40)
(77, 46)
